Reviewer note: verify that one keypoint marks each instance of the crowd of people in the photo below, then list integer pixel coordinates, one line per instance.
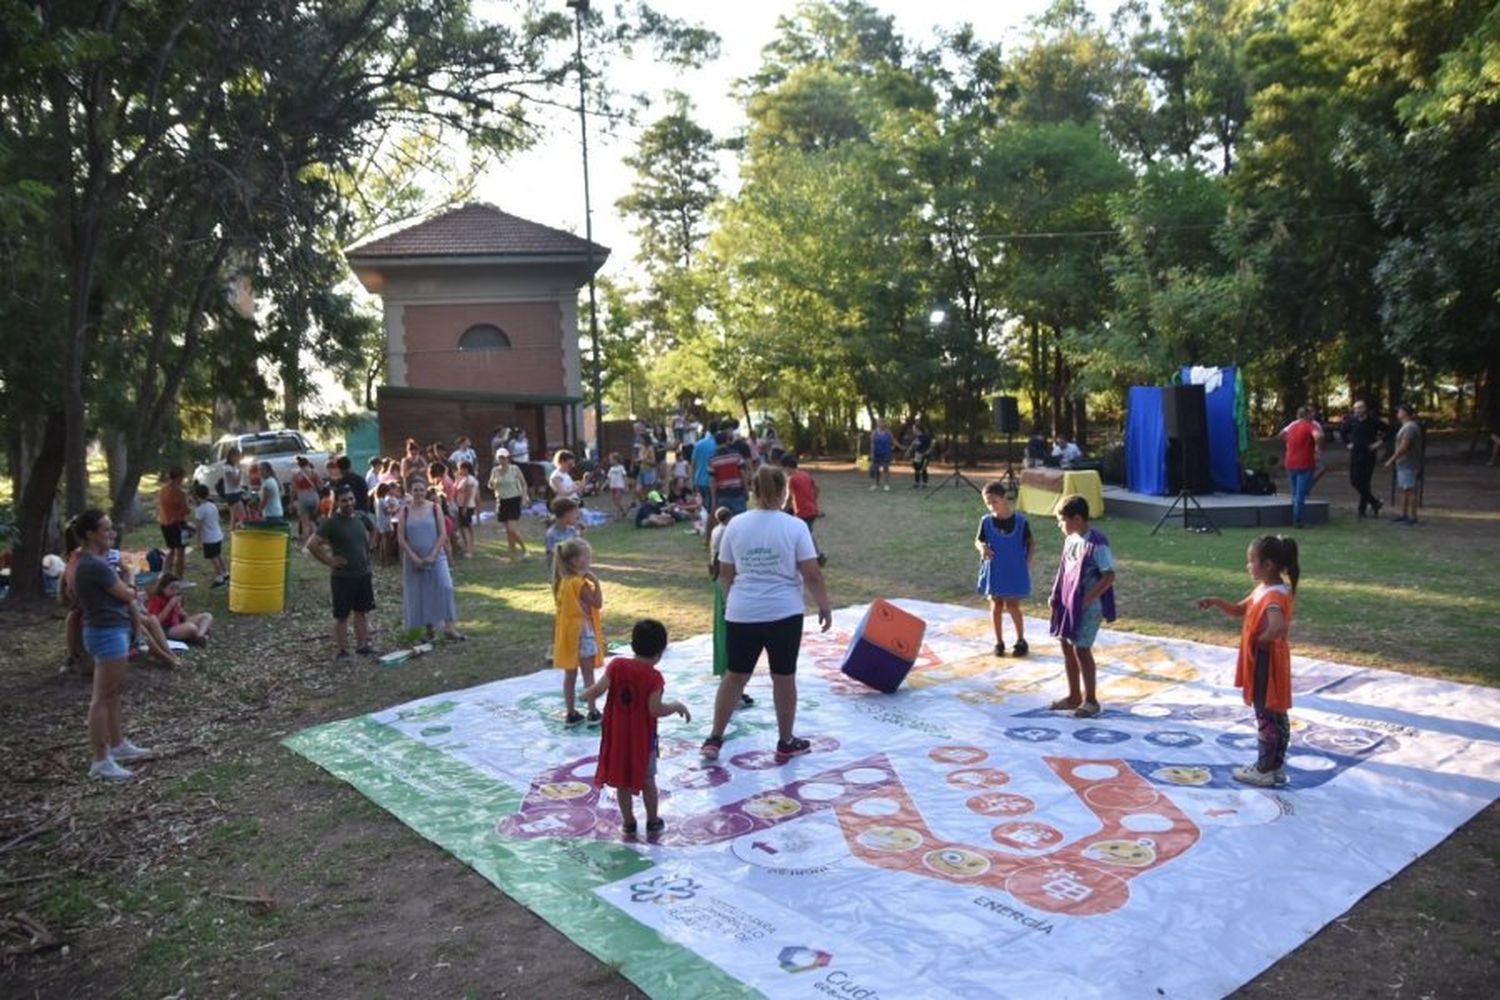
(757, 509)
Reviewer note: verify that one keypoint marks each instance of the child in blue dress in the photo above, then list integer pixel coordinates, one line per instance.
(1004, 544)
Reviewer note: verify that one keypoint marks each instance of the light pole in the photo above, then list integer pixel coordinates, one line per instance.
(580, 8)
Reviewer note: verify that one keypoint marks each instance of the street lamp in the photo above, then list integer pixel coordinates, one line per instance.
(580, 8)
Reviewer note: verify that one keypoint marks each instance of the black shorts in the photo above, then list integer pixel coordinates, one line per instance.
(509, 509)
(352, 593)
(466, 517)
(173, 535)
(780, 639)
(211, 550)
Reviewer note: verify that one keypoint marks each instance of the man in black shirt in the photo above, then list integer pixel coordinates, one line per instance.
(355, 484)
(1364, 433)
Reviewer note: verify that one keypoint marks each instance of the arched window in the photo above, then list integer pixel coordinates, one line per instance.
(484, 337)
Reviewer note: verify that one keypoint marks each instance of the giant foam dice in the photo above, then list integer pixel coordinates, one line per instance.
(884, 647)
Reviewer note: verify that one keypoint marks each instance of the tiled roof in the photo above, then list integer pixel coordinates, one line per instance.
(478, 230)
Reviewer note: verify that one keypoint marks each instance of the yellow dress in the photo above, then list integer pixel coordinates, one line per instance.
(567, 628)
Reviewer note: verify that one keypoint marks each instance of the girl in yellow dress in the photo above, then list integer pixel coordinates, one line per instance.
(577, 635)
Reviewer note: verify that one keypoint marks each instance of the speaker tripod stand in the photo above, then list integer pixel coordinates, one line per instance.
(954, 478)
(1185, 498)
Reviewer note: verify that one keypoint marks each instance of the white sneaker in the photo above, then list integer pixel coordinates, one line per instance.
(108, 770)
(886, 488)
(128, 751)
(1281, 778)
(874, 488)
(1250, 776)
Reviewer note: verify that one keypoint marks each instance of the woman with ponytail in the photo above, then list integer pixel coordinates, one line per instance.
(1264, 671)
(109, 617)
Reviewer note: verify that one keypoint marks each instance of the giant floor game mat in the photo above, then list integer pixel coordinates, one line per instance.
(953, 839)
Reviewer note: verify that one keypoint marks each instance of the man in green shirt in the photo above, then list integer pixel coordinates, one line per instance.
(342, 543)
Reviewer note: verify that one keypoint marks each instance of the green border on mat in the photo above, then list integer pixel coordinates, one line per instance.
(457, 807)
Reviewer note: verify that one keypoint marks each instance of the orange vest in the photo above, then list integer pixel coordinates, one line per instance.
(1279, 681)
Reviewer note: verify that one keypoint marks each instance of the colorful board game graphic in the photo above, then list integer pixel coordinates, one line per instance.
(953, 815)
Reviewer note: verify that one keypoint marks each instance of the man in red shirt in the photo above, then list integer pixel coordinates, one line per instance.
(1303, 439)
(802, 493)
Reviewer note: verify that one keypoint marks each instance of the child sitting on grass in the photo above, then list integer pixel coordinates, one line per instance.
(628, 744)
(1083, 595)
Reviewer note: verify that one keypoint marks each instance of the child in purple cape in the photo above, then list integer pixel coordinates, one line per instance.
(1082, 596)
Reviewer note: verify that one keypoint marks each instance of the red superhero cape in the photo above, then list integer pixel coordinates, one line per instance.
(629, 735)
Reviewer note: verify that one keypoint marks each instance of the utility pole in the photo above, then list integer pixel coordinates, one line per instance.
(580, 8)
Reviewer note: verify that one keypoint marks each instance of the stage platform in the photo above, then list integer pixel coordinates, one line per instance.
(1228, 510)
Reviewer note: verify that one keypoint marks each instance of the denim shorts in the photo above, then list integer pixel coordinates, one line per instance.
(1088, 626)
(588, 644)
(112, 642)
(1406, 478)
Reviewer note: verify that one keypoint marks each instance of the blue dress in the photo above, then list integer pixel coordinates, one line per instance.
(1007, 573)
(426, 594)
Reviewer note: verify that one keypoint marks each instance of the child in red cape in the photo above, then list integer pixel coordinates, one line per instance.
(627, 746)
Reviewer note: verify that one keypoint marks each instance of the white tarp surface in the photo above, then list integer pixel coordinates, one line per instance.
(958, 839)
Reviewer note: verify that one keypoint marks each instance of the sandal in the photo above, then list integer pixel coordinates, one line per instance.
(711, 747)
(1064, 705)
(656, 825)
(628, 829)
(1088, 710)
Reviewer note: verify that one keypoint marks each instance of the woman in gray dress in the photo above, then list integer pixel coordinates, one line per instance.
(426, 584)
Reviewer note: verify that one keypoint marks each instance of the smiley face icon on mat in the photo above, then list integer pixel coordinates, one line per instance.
(772, 807)
(891, 838)
(1130, 853)
(955, 862)
(1178, 775)
(564, 789)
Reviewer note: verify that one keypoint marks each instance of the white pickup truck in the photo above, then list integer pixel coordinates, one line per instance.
(280, 448)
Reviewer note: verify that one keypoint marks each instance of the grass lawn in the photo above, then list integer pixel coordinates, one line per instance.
(235, 866)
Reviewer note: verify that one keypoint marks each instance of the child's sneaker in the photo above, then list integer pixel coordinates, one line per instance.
(108, 770)
(573, 719)
(655, 826)
(1020, 649)
(794, 747)
(1088, 710)
(128, 751)
(1251, 776)
(711, 747)
(594, 717)
(999, 649)
(1281, 778)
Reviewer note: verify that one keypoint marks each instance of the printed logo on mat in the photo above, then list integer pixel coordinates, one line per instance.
(664, 890)
(796, 958)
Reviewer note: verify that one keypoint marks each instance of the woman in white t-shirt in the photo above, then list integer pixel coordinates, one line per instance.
(561, 480)
(766, 558)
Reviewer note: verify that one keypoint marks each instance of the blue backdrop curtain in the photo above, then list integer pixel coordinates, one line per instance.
(1145, 441)
(1223, 428)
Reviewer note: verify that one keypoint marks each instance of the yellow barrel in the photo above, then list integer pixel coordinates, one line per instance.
(258, 569)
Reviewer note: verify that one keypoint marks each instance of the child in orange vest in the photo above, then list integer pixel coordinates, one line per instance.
(1264, 671)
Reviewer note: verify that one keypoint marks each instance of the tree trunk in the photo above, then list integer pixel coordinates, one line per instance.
(36, 520)
(1081, 421)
